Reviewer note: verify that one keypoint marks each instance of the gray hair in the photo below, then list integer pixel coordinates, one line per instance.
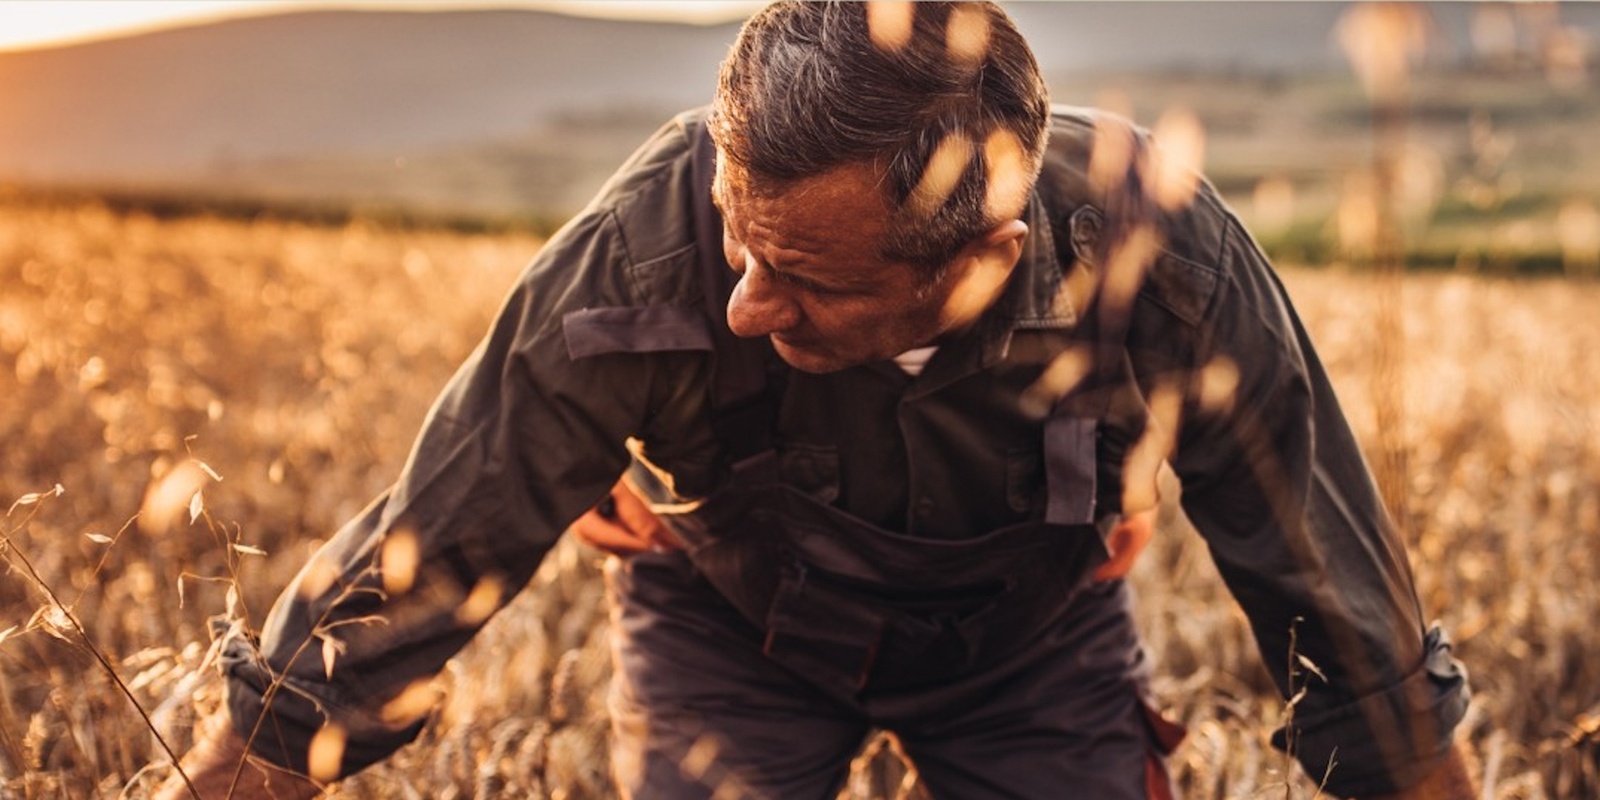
(813, 86)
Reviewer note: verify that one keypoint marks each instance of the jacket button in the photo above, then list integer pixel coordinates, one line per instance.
(925, 508)
(1085, 225)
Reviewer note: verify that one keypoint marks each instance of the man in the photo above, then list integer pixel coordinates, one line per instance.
(890, 352)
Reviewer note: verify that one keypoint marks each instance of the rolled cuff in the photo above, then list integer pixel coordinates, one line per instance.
(1387, 741)
(283, 731)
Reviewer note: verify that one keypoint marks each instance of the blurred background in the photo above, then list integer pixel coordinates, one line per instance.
(243, 244)
(517, 114)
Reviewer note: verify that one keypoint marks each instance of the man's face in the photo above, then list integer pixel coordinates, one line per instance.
(810, 273)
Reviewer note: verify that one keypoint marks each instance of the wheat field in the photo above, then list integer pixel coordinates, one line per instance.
(295, 362)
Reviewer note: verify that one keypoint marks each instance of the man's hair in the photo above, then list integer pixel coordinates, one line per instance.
(813, 86)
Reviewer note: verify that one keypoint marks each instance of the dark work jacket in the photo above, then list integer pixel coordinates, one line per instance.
(606, 349)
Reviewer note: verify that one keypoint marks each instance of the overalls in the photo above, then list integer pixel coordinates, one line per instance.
(755, 662)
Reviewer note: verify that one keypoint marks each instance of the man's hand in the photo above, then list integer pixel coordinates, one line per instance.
(622, 524)
(1448, 781)
(1126, 541)
(213, 762)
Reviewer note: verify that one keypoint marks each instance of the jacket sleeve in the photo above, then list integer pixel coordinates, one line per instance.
(525, 437)
(1276, 484)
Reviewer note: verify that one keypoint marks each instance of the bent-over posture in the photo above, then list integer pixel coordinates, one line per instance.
(888, 351)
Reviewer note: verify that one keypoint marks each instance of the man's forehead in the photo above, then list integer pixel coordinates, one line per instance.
(1009, 176)
(836, 219)
(857, 185)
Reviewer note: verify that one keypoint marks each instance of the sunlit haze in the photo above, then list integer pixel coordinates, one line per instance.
(26, 24)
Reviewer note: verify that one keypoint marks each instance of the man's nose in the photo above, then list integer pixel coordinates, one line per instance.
(760, 306)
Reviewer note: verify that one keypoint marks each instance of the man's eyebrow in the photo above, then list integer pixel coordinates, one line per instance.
(810, 284)
(834, 281)
(718, 189)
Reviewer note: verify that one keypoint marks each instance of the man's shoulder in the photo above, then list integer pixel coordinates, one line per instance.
(1072, 130)
(1074, 119)
(651, 197)
(1186, 269)
(1063, 183)
(634, 244)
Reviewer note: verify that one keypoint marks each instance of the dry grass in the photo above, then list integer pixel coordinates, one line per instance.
(297, 362)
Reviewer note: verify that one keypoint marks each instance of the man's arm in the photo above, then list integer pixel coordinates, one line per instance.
(1274, 480)
(520, 443)
(525, 438)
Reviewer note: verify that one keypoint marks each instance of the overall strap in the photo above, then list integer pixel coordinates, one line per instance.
(744, 371)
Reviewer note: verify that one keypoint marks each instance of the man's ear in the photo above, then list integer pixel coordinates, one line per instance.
(1003, 243)
(979, 271)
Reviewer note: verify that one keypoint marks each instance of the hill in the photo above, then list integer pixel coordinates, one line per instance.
(209, 97)
(525, 112)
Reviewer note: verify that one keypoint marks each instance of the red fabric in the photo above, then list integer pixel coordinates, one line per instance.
(1167, 735)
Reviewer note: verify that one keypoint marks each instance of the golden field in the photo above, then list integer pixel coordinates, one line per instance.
(296, 362)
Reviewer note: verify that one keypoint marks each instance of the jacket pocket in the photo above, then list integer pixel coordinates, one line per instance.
(812, 469)
(1025, 483)
(634, 329)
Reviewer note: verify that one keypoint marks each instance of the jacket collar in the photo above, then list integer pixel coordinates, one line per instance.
(1037, 297)
(1043, 293)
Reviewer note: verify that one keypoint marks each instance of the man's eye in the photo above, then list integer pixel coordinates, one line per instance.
(809, 286)
(742, 261)
(734, 253)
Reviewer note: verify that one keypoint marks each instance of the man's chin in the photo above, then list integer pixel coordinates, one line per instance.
(808, 360)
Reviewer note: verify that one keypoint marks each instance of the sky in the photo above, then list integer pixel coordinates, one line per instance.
(26, 24)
